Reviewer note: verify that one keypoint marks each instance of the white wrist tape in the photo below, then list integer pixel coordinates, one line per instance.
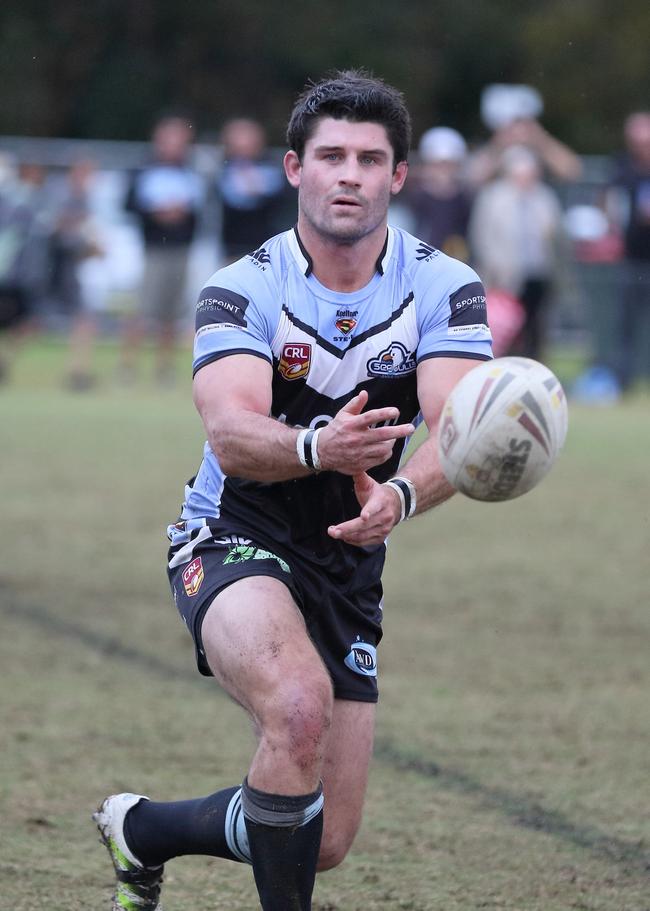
(405, 490)
(307, 449)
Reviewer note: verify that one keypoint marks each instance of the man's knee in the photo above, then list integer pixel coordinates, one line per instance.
(297, 718)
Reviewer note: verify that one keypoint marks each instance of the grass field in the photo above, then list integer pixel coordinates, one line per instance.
(512, 765)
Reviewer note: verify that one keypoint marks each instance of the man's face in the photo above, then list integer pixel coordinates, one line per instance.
(345, 179)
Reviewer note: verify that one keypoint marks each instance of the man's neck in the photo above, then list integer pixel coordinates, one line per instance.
(340, 266)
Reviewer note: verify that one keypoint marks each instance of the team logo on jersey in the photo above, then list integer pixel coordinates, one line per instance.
(362, 659)
(345, 325)
(395, 360)
(426, 253)
(295, 360)
(346, 320)
(193, 576)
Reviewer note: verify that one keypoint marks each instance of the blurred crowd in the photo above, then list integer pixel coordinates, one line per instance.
(67, 261)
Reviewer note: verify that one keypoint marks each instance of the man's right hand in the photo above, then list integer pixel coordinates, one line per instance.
(352, 443)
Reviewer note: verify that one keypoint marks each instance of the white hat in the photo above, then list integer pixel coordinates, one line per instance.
(442, 144)
(502, 104)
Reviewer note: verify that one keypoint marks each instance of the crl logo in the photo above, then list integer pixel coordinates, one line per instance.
(362, 659)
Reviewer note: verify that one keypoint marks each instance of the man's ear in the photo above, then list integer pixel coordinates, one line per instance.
(292, 168)
(401, 170)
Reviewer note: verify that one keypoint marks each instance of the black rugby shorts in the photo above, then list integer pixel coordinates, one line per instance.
(343, 622)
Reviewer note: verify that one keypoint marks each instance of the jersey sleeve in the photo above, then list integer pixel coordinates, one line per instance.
(231, 318)
(452, 316)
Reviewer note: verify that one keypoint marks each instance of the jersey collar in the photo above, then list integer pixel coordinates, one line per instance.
(306, 265)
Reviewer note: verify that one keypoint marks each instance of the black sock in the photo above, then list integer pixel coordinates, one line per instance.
(213, 825)
(284, 835)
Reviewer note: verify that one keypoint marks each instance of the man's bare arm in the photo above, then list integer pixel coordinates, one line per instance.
(233, 397)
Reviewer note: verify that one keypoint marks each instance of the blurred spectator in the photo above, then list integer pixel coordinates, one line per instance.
(633, 182)
(166, 196)
(251, 188)
(74, 239)
(23, 251)
(515, 235)
(438, 199)
(597, 253)
(511, 112)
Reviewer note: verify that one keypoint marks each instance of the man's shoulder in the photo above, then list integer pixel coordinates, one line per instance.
(246, 290)
(258, 270)
(426, 265)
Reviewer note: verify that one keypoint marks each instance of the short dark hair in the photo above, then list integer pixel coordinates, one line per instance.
(354, 95)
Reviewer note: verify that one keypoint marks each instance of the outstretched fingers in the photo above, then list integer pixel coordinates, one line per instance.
(379, 514)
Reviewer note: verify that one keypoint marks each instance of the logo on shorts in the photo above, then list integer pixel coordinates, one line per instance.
(243, 552)
(193, 576)
(295, 361)
(362, 659)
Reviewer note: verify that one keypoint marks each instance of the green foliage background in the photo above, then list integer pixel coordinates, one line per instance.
(105, 68)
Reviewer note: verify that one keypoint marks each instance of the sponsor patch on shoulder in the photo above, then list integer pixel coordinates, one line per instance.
(218, 327)
(468, 309)
(219, 305)
(470, 330)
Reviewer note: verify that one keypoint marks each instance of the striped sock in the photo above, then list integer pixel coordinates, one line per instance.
(284, 834)
(212, 825)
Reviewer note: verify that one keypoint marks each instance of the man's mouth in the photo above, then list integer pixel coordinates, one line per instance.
(346, 202)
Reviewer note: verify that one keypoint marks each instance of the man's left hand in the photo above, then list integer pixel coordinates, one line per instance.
(380, 512)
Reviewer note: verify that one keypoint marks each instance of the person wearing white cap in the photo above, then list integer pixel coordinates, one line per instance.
(439, 201)
(511, 113)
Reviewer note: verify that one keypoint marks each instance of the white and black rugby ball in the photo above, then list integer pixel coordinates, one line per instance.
(502, 428)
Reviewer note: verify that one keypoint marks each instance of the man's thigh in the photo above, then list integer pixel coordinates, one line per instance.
(257, 646)
(343, 625)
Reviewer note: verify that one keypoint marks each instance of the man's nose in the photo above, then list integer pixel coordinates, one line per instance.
(350, 173)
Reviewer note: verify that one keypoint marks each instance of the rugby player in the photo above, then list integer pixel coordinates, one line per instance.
(315, 357)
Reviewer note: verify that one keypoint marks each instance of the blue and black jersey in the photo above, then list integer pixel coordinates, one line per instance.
(325, 346)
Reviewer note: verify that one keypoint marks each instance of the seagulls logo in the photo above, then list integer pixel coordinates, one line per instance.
(395, 360)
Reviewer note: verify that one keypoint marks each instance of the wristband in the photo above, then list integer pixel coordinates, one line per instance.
(405, 490)
(307, 449)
